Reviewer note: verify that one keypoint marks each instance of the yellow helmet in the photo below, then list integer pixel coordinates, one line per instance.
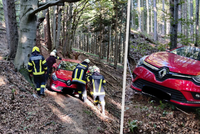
(35, 48)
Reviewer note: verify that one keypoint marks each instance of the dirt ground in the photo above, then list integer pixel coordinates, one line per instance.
(59, 113)
(147, 115)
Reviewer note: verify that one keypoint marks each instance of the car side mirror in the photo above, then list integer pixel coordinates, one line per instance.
(168, 50)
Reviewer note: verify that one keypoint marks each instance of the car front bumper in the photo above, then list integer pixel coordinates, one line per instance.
(60, 86)
(179, 90)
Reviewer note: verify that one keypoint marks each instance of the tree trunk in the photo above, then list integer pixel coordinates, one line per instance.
(54, 26)
(186, 18)
(134, 20)
(11, 26)
(191, 19)
(174, 23)
(59, 26)
(179, 17)
(27, 34)
(109, 41)
(155, 21)
(163, 14)
(151, 16)
(48, 34)
(147, 4)
(116, 38)
(97, 43)
(197, 22)
(80, 40)
(131, 15)
(139, 16)
(142, 16)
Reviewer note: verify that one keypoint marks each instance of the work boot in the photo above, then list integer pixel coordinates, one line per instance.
(80, 97)
(42, 93)
(38, 92)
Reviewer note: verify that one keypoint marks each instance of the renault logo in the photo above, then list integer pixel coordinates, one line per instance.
(162, 72)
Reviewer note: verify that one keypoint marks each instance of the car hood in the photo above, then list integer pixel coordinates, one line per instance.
(64, 74)
(176, 63)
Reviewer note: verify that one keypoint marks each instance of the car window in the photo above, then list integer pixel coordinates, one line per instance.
(188, 51)
(67, 65)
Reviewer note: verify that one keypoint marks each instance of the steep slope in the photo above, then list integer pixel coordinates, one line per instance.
(21, 112)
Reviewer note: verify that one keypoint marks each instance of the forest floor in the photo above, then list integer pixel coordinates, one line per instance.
(21, 112)
(146, 115)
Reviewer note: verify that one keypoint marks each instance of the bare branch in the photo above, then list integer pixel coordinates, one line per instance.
(50, 3)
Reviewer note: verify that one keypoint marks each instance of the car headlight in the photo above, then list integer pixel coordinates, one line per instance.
(141, 61)
(54, 77)
(196, 78)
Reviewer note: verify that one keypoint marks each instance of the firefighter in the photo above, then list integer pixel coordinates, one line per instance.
(50, 61)
(56, 55)
(89, 73)
(37, 68)
(79, 78)
(97, 85)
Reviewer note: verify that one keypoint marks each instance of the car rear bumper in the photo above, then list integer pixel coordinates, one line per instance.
(178, 90)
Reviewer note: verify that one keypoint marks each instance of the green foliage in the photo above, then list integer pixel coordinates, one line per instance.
(151, 102)
(142, 48)
(164, 113)
(13, 90)
(162, 47)
(132, 125)
(145, 108)
(184, 39)
(25, 73)
(87, 112)
(197, 112)
(166, 105)
(162, 105)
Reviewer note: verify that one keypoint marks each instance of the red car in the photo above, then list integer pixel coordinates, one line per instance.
(171, 75)
(60, 80)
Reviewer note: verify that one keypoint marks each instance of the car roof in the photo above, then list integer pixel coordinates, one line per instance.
(71, 60)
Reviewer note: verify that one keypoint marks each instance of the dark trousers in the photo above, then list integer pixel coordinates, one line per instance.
(82, 91)
(49, 71)
(40, 83)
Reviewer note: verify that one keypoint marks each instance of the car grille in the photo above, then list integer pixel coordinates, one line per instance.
(61, 80)
(175, 94)
(65, 82)
(169, 75)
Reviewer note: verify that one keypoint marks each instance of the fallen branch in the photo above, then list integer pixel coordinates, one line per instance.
(182, 111)
(111, 84)
(110, 75)
(45, 47)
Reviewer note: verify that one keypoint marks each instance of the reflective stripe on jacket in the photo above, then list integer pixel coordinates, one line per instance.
(58, 58)
(37, 64)
(79, 73)
(97, 81)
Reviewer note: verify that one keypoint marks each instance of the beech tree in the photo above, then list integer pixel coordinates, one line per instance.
(155, 21)
(11, 26)
(197, 22)
(174, 24)
(28, 27)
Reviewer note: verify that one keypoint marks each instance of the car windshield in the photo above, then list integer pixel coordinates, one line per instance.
(188, 51)
(67, 65)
